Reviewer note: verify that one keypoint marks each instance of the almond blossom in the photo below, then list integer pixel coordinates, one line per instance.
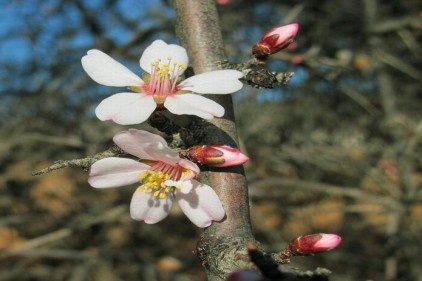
(161, 85)
(163, 176)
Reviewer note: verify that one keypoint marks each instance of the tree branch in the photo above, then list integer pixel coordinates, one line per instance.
(198, 29)
(256, 75)
(83, 163)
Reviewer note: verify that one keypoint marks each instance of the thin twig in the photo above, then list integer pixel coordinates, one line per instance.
(396, 24)
(361, 100)
(83, 163)
(279, 185)
(58, 235)
(398, 64)
(62, 254)
(256, 75)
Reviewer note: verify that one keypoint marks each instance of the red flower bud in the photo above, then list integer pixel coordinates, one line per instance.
(223, 2)
(216, 155)
(275, 40)
(313, 243)
(244, 275)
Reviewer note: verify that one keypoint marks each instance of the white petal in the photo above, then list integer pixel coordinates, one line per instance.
(187, 185)
(192, 170)
(161, 51)
(193, 104)
(200, 204)
(104, 70)
(145, 145)
(214, 82)
(114, 171)
(148, 208)
(126, 108)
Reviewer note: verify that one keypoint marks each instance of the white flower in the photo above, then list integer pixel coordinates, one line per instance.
(161, 85)
(166, 178)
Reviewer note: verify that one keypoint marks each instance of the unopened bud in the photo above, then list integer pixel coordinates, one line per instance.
(223, 2)
(275, 40)
(244, 275)
(216, 155)
(311, 244)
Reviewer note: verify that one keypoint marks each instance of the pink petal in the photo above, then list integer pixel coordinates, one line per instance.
(327, 241)
(232, 156)
(214, 82)
(104, 70)
(126, 108)
(114, 171)
(285, 33)
(161, 51)
(311, 244)
(200, 204)
(193, 104)
(216, 155)
(146, 145)
(146, 207)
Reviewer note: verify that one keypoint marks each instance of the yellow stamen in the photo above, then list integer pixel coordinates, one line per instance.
(154, 182)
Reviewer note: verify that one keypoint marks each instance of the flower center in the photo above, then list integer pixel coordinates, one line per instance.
(163, 79)
(154, 180)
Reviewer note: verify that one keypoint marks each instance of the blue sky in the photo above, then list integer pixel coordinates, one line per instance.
(31, 27)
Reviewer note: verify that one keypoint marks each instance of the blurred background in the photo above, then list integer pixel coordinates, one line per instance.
(338, 150)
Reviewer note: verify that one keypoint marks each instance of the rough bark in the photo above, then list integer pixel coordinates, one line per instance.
(223, 246)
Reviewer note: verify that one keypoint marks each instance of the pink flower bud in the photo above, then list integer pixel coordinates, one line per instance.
(244, 275)
(313, 243)
(275, 40)
(223, 2)
(216, 155)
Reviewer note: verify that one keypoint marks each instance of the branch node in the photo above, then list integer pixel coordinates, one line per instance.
(256, 75)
